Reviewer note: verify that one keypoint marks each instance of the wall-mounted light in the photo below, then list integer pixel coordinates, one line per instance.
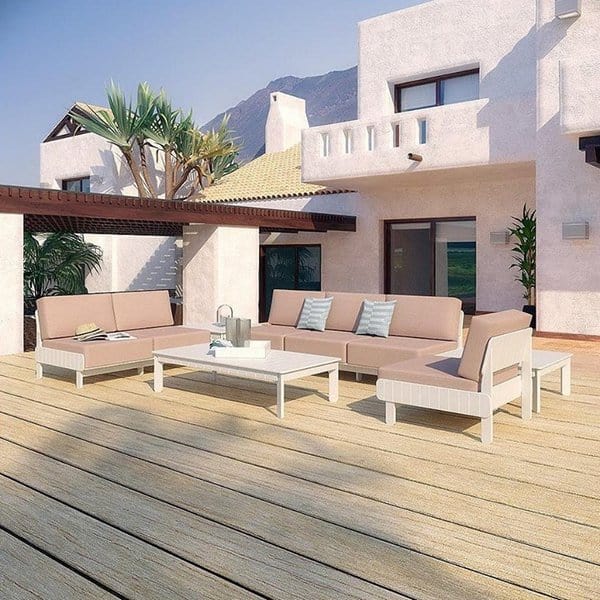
(500, 238)
(415, 157)
(576, 231)
(567, 9)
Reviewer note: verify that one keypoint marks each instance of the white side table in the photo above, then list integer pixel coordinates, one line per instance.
(544, 362)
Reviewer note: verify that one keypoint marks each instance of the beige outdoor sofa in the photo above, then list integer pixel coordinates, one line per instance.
(494, 369)
(421, 325)
(145, 315)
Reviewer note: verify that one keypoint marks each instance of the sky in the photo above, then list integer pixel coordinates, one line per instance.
(207, 55)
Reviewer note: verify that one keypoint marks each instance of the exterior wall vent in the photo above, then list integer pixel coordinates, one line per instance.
(500, 238)
(576, 231)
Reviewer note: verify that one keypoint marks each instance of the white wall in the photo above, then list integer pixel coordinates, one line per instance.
(11, 284)
(568, 189)
(355, 261)
(130, 262)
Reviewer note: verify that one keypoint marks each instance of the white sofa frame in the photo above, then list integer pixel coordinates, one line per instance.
(72, 361)
(502, 351)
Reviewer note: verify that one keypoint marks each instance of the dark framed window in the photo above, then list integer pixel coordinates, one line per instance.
(432, 257)
(287, 267)
(81, 184)
(437, 91)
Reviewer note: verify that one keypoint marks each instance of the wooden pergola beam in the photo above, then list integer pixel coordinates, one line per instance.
(67, 209)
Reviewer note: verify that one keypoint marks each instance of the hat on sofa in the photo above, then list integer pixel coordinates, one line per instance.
(86, 328)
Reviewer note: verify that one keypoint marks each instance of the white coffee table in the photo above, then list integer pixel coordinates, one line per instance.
(544, 362)
(279, 367)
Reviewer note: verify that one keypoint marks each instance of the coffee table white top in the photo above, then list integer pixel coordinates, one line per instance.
(542, 359)
(278, 362)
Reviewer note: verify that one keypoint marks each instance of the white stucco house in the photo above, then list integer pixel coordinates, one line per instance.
(467, 110)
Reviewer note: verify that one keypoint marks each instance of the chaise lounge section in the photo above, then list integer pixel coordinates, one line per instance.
(145, 315)
(420, 326)
(495, 368)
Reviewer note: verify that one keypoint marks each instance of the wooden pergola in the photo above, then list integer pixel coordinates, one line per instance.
(46, 210)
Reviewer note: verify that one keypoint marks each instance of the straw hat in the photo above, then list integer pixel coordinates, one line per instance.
(86, 328)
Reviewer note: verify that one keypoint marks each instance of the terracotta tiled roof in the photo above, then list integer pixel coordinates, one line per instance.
(273, 175)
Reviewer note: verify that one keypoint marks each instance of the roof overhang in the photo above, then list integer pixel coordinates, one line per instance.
(48, 210)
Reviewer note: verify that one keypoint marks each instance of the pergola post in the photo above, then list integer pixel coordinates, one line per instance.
(11, 284)
(220, 266)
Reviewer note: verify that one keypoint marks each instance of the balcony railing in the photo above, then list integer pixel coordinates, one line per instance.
(457, 135)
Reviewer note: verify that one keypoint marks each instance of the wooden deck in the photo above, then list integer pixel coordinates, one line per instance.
(200, 492)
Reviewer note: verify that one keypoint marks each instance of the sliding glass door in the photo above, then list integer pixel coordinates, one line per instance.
(287, 268)
(432, 258)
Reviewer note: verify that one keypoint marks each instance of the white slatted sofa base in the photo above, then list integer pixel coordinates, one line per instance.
(71, 361)
(502, 351)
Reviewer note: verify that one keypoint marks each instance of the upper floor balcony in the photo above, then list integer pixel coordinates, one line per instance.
(466, 134)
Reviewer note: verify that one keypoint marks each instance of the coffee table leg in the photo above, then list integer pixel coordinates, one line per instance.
(565, 379)
(333, 385)
(280, 397)
(158, 375)
(537, 392)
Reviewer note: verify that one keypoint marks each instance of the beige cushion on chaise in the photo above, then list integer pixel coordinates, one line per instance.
(272, 333)
(172, 337)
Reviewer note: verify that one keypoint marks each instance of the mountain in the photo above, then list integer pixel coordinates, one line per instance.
(330, 98)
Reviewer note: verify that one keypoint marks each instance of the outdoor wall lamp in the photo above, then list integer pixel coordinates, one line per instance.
(500, 238)
(415, 157)
(576, 231)
(567, 9)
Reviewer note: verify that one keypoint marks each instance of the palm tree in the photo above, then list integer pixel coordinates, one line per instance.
(192, 159)
(56, 264)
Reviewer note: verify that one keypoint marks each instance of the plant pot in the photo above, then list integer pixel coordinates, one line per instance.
(530, 309)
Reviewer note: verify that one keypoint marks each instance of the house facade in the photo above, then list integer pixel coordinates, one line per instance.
(498, 103)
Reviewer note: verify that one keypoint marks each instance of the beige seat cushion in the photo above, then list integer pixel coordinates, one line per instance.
(286, 306)
(429, 317)
(104, 353)
(139, 310)
(438, 372)
(325, 343)
(482, 328)
(59, 316)
(172, 336)
(375, 351)
(429, 370)
(272, 333)
(345, 309)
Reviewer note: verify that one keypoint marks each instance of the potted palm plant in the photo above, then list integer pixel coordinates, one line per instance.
(523, 230)
(56, 264)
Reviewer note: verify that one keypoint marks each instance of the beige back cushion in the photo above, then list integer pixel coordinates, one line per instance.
(345, 309)
(137, 310)
(59, 316)
(427, 317)
(482, 328)
(286, 306)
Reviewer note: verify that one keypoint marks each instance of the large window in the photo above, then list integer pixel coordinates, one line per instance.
(287, 267)
(432, 258)
(436, 91)
(82, 184)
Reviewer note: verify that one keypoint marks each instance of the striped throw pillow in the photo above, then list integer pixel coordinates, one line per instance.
(314, 313)
(375, 318)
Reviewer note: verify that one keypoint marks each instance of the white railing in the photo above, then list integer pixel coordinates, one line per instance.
(456, 135)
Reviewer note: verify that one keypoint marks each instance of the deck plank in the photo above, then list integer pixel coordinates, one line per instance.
(27, 574)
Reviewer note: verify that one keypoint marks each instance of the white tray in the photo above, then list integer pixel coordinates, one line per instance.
(252, 349)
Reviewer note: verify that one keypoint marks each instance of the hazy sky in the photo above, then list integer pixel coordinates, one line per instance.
(208, 55)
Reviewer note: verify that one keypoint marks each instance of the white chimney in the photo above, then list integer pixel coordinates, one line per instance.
(285, 122)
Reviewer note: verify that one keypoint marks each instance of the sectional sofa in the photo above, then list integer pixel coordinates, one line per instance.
(145, 315)
(421, 326)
